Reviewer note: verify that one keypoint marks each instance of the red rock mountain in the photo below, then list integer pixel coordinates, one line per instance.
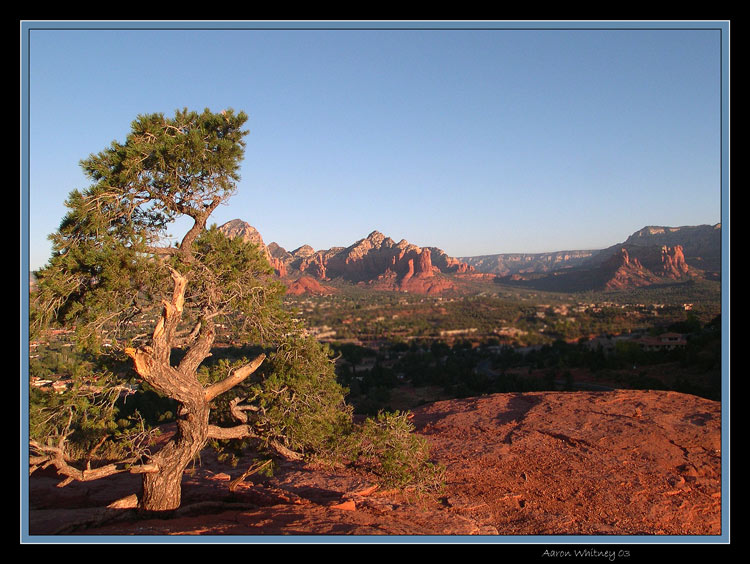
(379, 262)
(617, 268)
(622, 272)
(307, 285)
(667, 252)
(239, 228)
(642, 266)
(376, 260)
(673, 260)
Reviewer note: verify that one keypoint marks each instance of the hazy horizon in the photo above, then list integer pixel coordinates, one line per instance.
(478, 139)
(427, 244)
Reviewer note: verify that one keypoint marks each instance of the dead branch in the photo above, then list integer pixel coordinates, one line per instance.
(284, 452)
(254, 468)
(238, 411)
(185, 340)
(235, 378)
(55, 456)
(93, 450)
(200, 348)
(227, 433)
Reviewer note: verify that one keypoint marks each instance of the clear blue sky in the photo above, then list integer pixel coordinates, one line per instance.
(474, 141)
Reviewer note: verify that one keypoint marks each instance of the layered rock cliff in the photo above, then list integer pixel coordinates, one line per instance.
(382, 263)
(649, 256)
(376, 260)
(248, 233)
(508, 264)
(696, 240)
(307, 285)
(634, 266)
(698, 246)
(620, 271)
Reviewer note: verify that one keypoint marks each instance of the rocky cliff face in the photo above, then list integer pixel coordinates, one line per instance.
(699, 246)
(634, 266)
(248, 233)
(700, 239)
(376, 260)
(307, 285)
(382, 263)
(509, 264)
(621, 271)
(239, 228)
(673, 261)
(647, 257)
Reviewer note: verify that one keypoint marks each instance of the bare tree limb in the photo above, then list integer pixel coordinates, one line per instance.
(200, 218)
(55, 457)
(238, 411)
(244, 432)
(235, 378)
(200, 348)
(285, 452)
(188, 339)
(253, 469)
(226, 433)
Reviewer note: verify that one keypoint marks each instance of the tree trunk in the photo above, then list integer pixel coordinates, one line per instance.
(162, 490)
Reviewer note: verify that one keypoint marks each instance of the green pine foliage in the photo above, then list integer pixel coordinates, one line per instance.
(249, 302)
(103, 266)
(387, 446)
(110, 277)
(302, 404)
(298, 402)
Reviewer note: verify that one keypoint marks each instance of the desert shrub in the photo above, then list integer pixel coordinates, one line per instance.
(387, 446)
(296, 402)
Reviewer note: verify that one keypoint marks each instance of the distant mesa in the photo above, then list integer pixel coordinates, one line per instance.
(697, 238)
(649, 256)
(508, 264)
(619, 268)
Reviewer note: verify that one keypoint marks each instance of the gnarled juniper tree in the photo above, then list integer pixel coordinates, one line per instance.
(109, 273)
(158, 306)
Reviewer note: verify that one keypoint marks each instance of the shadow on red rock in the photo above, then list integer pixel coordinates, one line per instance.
(550, 463)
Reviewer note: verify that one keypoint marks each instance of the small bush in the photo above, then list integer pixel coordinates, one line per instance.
(387, 446)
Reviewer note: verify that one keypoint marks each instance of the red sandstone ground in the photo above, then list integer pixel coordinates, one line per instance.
(578, 463)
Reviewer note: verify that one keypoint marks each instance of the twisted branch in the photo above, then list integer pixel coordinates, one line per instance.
(233, 379)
